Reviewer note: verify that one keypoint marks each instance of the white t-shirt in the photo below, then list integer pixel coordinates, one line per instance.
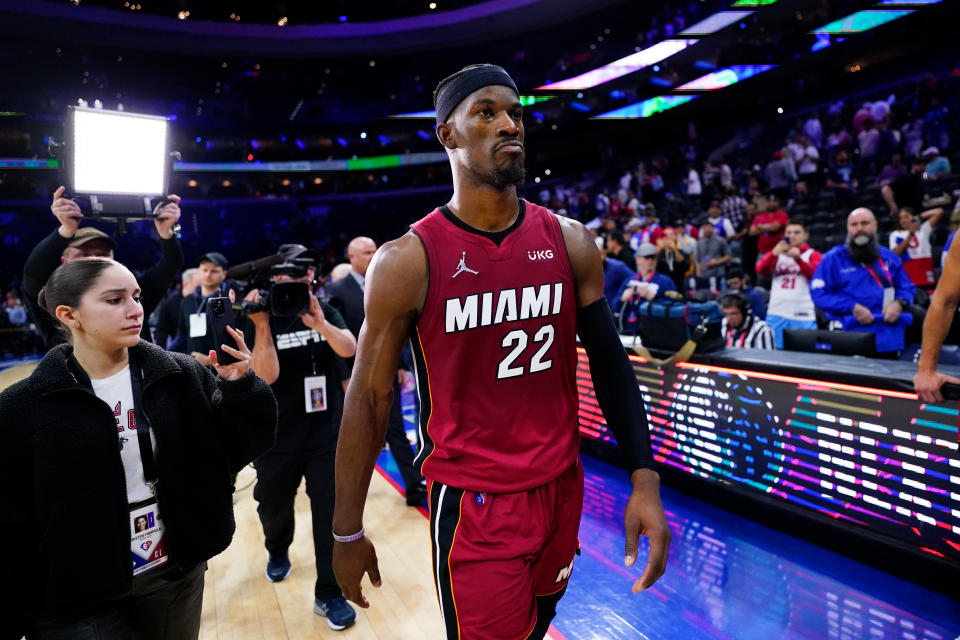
(919, 243)
(807, 160)
(694, 187)
(117, 392)
(790, 293)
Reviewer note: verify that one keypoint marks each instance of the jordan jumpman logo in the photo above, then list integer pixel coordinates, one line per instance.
(463, 266)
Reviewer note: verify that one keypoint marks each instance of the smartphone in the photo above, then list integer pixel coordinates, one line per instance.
(219, 317)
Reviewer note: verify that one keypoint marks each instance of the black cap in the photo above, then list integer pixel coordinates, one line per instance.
(216, 258)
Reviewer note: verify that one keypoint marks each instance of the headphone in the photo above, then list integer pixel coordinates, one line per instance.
(742, 302)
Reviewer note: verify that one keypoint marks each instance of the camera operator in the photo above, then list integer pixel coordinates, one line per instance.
(298, 356)
(212, 272)
(68, 243)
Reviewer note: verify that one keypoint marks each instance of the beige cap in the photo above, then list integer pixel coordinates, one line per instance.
(86, 234)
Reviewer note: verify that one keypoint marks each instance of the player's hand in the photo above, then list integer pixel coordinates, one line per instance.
(644, 516)
(862, 314)
(201, 358)
(260, 316)
(238, 369)
(350, 561)
(314, 317)
(891, 312)
(166, 216)
(67, 212)
(927, 385)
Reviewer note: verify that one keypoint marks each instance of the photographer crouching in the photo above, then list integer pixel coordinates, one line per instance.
(68, 242)
(298, 343)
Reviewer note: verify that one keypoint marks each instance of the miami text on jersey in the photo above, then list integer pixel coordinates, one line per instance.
(478, 309)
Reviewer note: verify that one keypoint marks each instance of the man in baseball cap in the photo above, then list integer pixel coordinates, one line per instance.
(212, 267)
(88, 242)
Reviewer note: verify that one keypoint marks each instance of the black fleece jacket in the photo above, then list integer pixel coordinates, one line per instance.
(45, 257)
(64, 514)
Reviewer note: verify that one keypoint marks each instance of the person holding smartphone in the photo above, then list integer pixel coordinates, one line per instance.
(792, 263)
(132, 447)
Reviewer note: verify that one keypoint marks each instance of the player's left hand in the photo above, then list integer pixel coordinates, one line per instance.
(167, 216)
(644, 516)
(238, 369)
(314, 317)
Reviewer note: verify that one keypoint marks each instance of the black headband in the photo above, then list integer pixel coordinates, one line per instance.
(467, 83)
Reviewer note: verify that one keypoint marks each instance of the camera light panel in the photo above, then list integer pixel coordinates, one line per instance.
(118, 153)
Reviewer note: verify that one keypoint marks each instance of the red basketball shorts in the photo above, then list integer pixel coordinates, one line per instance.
(494, 553)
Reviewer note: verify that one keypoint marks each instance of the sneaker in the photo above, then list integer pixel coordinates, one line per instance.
(417, 495)
(338, 613)
(278, 568)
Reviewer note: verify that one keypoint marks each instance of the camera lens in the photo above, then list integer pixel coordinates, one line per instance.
(218, 307)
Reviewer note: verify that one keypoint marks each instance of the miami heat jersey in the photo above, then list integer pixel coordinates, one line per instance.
(495, 353)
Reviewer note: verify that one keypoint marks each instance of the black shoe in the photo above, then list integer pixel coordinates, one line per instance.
(278, 568)
(416, 495)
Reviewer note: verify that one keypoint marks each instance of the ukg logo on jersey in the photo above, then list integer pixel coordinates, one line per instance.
(540, 254)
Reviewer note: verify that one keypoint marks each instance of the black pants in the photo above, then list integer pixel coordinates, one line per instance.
(163, 605)
(399, 445)
(278, 477)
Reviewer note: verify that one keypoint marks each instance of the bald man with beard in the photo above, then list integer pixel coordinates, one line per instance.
(864, 286)
(346, 295)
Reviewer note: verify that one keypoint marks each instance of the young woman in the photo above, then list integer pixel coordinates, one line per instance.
(115, 469)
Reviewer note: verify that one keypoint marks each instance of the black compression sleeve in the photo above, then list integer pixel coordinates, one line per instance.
(615, 384)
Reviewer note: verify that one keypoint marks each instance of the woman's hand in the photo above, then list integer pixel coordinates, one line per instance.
(238, 369)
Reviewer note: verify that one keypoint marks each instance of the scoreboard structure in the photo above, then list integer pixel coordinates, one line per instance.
(824, 437)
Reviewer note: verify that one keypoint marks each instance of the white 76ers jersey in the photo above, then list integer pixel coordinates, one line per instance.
(790, 294)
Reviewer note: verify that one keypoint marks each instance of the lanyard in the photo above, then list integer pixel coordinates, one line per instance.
(744, 329)
(142, 424)
(876, 278)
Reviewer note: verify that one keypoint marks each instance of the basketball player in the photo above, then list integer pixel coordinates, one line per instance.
(492, 291)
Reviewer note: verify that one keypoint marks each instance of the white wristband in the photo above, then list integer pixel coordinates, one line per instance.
(351, 538)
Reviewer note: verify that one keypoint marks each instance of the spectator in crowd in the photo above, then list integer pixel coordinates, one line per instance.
(840, 177)
(791, 263)
(694, 188)
(937, 165)
(867, 140)
(643, 229)
(649, 284)
(807, 161)
(723, 228)
(671, 261)
(602, 203)
(68, 242)
(16, 312)
(839, 138)
(887, 142)
(780, 175)
(741, 329)
(749, 247)
(737, 282)
(891, 171)
(907, 190)
(864, 287)
(167, 326)
(734, 208)
(769, 226)
(615, 276)
(813, 130)
(339, 272)
(911, 243)
(619, 249)
(935, 124)
(687, 236)
(726, 176)
(712, 256)
(912, 134)
(212, 268)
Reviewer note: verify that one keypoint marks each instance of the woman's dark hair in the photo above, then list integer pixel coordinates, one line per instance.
(68, 282)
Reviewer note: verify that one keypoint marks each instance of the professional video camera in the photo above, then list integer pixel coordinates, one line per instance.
(282, 299)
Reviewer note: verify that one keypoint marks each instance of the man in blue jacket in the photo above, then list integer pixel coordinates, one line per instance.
(863, 285)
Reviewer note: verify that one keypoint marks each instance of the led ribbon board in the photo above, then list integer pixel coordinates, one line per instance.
(725, 77)
(619, 68)
(862, 21)
(346, 164)
(714, 23)
(646, 108)
(526, 101)
(869, 457)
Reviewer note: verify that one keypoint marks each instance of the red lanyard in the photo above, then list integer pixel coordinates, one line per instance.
(876, 278)
(743, 336)
(650, 277)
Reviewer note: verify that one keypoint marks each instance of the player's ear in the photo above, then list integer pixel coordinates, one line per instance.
(445, 135)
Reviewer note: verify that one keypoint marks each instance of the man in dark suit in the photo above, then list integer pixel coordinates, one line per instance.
(346, 295)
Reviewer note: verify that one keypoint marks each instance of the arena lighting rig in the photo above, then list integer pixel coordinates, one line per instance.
(121, 161)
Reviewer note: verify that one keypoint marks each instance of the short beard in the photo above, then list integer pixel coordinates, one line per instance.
(502, 177)
(866, 254)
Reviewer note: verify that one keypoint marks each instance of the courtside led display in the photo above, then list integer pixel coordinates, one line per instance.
(619, 68)
(646, 108)
(725, 77)
(863, 21)
(872, 458)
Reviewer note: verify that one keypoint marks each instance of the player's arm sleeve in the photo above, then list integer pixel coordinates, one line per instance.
(615, 384)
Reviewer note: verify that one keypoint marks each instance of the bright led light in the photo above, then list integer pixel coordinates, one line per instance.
(646, 108)
(779, 109)
(862, 21)
(634, 62)
(118, 153)
(715, 23)
(725, 77)
(363, 135)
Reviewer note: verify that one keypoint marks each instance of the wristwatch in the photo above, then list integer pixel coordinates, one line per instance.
(903, 303)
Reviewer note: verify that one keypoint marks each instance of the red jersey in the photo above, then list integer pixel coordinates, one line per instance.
(495, 353)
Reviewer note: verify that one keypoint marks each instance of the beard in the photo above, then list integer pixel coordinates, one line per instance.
(864, 248)
(501, 176)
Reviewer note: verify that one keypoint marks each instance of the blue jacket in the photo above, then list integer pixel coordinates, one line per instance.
(615, 273)
(839, 283)
(665, 283)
